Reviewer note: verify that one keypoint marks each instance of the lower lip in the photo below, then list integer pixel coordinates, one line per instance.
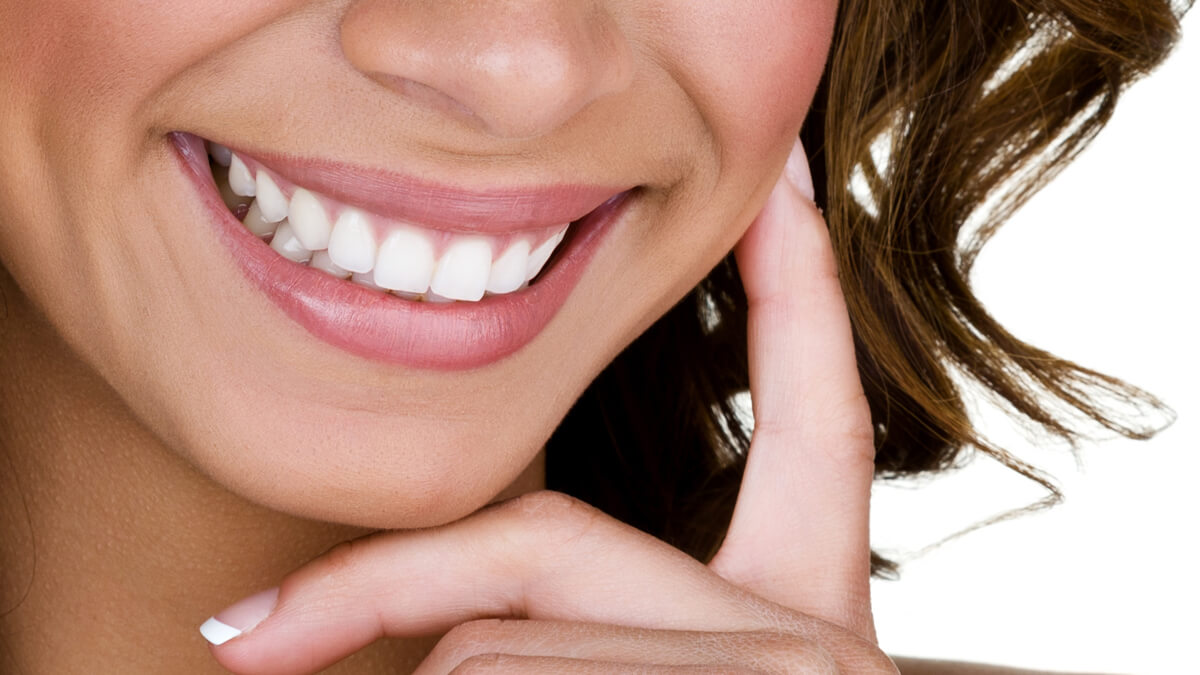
(374, 325)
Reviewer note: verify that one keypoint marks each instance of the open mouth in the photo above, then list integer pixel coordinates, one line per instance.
(394, 268)
(411, 261)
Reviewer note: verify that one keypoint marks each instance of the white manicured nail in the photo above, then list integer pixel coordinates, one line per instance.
(239, 617)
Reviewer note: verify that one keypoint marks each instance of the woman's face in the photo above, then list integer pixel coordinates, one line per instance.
(438, 130)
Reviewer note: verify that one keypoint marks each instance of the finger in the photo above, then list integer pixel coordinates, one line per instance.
(770, 652)
(799, 531)
(541, 556)
(487, 664)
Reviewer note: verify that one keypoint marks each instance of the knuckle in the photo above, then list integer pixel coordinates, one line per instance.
(851, 653)
(862, 656)
(842, 426)
(808, 658)
(787, 653)
(849, 413)
(341, 571)
(342, 559)
(856, 419)
(482, 663)
(473, 637)
(826, 278)
(336, 567)
(553, 517)
(546, 503)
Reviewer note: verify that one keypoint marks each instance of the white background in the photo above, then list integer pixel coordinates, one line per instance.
(1103, 268)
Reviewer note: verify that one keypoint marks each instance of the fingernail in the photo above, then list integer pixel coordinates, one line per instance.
(239, 617)
(798, 173)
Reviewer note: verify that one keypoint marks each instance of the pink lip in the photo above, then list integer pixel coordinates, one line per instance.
(401, 197)
(379, 326)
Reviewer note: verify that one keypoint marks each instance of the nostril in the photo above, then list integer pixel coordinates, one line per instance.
(424, 95)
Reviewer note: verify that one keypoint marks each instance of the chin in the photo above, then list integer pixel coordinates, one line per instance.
(372, 473)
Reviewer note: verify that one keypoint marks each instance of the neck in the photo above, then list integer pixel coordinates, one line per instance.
(113, 549)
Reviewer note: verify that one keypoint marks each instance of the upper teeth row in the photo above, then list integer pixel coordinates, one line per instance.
(390, 256)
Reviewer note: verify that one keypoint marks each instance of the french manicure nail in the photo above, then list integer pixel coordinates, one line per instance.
(798, 173)
(239, 617)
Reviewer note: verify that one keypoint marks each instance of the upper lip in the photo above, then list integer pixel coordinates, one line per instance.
(407, 198)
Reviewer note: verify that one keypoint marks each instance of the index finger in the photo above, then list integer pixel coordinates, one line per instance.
(799, 534)
(541, 556)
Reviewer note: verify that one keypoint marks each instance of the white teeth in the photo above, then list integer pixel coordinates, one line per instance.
(366, 279)
(352, 245)
(221, 176)
(462, 273)
(541, 254)
(220, 154)
(240, 179)
(271, 202)
(287, 245)
(437, 299)
(255, 222)
(323, 262)
(508, 271)
(299, 229)
(308, 219)
(405, 262)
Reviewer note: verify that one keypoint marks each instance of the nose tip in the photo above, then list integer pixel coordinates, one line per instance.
(514, 69)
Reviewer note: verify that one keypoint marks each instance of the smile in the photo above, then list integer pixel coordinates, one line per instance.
(413, 262)
(395, 269)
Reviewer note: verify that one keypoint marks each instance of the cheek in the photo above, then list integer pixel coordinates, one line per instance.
(750, 70)
(753, 67)
(74, 60)
(77, 76)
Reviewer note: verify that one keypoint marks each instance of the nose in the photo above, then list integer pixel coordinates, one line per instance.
(515, 68)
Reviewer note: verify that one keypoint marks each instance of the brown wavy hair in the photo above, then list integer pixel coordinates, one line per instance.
(933, 123)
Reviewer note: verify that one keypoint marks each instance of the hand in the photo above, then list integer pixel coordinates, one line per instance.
(544, 583)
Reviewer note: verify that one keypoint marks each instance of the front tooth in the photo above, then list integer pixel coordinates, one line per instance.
(220, 154)
(255, 222)
(351, 245)
(405, 262)
(462, 273)
(508, 271)
(366, 279)
(537, 259)
(308, 219)
(437, 299)
(271, 202)
(240, 179)
(287, 245)
(323, 262)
